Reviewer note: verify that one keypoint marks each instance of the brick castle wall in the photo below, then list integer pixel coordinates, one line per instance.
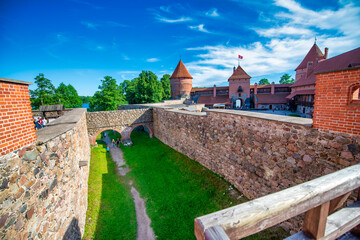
(16, 122)
(43, 190)
(258, 156)
(334, 109)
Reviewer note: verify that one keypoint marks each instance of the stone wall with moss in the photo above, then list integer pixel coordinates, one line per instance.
(43, 186)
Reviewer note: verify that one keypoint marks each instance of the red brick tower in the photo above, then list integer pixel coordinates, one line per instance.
(180, 81)
(239, 85)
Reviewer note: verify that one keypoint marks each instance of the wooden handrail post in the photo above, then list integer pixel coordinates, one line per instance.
(338, 202)
(315, 220)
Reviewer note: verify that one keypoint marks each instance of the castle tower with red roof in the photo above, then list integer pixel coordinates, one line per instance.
(180, 81)
(312, 58)
(239, 85)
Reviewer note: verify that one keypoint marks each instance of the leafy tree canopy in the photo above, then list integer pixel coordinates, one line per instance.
(165, 82)
(264, 81)
(108, 97)
(286, 78)
(44, 93)
(146, 88)
(85, 99)
(68, 96)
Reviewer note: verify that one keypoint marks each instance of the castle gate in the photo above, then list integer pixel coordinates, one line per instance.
(122, 121)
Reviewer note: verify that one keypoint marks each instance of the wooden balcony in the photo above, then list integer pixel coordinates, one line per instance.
(319, 199)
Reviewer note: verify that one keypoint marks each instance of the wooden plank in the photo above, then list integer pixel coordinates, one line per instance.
(315, 221)
(254, 216)
(342, 221)
(338, 202)
(199, 230)
(215, 233)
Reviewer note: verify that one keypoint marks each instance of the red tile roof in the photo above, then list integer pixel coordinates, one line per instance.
(340, 62)
(181, 71)
(239, 73)
(307, 80)
(269, 85)
(314, 55)
(278, 98)
(208, 89)
(301, 92)
(210, 100)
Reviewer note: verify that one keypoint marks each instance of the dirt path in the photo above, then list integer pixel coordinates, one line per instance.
(144, 231)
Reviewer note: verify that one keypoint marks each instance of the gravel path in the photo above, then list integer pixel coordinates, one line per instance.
(144, 231)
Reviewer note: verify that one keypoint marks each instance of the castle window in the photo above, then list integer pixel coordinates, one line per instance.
(354, 94)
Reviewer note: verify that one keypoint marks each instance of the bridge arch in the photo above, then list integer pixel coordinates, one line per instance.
(151, 130)
(94, 136)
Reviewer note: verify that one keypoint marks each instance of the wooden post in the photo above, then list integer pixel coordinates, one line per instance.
(338, 202)
(199, 230)
(315, 220)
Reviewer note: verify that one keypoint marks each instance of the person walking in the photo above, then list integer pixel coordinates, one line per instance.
(118, 142)
(113, 142)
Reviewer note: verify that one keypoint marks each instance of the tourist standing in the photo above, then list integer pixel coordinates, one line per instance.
(113, 142)
(118, 142)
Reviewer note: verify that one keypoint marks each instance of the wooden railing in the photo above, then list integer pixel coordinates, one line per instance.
(319, 198)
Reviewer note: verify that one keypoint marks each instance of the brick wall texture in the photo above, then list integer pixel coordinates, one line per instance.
(334, 108)
(16, 124)
(43, 190)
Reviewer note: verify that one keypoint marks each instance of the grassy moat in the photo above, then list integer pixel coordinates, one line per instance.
(176, 188)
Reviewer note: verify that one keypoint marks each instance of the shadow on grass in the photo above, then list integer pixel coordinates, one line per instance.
(116, 218)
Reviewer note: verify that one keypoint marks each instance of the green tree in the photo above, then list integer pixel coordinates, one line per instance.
(264, 81)
(85, 99)
(147, 89)
(68, 96)
(130, 90)
(109, 96)
(286, 78)
(165, 82)
(44, 93)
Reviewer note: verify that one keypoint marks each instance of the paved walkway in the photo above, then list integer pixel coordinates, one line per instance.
(144, 231)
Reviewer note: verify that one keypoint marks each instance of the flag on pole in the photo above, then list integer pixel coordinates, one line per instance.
(240, 57)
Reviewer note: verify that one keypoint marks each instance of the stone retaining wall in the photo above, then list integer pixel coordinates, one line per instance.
(258, 156)
(43, 188)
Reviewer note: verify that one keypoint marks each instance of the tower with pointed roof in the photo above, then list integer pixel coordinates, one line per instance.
(307, 65)
(239, 85)
(181, 82)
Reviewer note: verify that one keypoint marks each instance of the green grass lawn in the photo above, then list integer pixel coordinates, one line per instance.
(178, 189)
(111, 210)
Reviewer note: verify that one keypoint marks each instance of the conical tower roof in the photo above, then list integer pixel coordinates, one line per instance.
(313, 55)
(239, 73)
(181, 71)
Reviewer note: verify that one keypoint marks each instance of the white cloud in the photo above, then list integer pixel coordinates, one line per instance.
(284, 31)
(90, 25)
(199, 28)
(212, 13)
(179, 20)
(152, 60)
(285, 44)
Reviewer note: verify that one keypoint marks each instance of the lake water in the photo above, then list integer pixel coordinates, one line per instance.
(85, 105)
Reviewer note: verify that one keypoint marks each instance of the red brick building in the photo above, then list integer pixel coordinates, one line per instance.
(303, 90)
(16, 121)
(337, 102)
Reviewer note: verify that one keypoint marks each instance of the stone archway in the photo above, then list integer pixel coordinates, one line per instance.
(94, 136)
(126, 133)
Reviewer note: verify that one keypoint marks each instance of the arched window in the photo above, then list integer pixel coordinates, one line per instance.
(354, 94)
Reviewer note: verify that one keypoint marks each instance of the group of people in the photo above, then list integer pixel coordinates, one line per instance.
(40, 123)
(117, 143)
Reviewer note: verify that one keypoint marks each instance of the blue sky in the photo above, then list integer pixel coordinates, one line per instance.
(81, 41)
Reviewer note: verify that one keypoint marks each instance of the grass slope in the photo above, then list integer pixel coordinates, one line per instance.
(111, 210)
(179, 189)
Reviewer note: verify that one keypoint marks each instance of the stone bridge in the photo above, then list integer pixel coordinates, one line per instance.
(122, 121)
